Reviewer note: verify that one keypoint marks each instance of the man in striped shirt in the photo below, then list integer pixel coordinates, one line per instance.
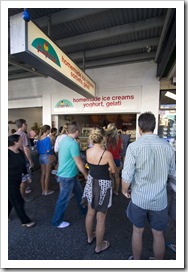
(148, 162)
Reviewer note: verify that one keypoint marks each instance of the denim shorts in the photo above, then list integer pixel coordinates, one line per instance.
(43, 159)
(158, 220)
(24, 177)
(117, 162)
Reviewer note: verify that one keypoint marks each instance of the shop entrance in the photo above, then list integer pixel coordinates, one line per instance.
(87, 122)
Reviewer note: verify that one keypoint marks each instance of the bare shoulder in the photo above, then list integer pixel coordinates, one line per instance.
(108, 154)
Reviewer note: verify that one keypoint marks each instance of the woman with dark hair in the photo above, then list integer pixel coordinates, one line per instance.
(44, 148)
(114, 145)
(52, 136)
(16, 167)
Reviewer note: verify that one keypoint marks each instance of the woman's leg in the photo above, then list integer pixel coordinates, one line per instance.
(22, 188)
(100, 229)
(47, 176)
(16, 200)
(42, 178)
(117, 180)
(89, 224)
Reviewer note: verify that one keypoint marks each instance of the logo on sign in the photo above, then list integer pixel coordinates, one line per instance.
(46, 49)
(63, 104)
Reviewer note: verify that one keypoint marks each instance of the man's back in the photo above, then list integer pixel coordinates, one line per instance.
(68, 149)
(25, 139)
(148, 163)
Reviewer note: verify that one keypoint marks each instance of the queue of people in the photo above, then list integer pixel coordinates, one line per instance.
(142, 177)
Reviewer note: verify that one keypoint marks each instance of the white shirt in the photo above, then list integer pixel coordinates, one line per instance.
(57, 142)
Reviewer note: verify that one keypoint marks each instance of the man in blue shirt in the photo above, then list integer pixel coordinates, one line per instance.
(148, 162)
(69, 163)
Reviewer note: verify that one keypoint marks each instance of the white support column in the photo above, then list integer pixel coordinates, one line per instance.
(46, 112)
(55, 119)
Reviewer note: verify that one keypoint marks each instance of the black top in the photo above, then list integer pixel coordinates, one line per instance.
(98, 171)
(16, 166)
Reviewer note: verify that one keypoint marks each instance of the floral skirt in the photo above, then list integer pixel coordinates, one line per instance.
(98, 193)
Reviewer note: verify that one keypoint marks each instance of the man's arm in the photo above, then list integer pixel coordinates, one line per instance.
(125, 188)
(80, 166)
(128, 172)
(28, 155)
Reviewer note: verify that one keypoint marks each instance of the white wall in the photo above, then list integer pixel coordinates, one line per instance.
(137, 74)
(31, 115)
(40, 90)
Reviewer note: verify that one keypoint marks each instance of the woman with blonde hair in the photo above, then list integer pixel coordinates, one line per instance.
(44, 148)
(98, 189)
(114, 145)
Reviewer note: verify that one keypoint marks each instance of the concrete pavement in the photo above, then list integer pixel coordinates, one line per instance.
(45, 242)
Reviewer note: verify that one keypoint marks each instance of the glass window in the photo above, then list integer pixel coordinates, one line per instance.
(167, 99)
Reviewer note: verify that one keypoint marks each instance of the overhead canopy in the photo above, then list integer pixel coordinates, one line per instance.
(98, 37)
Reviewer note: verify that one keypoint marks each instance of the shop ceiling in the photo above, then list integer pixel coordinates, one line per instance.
(99, 37)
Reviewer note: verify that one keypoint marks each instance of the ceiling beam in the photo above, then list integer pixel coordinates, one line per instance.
(122, 48)
(167, 51)
(14, 68)
(23, 75)
(118, 60)
(68, 15)
(168, 18)
(111, 32)
(21, 66)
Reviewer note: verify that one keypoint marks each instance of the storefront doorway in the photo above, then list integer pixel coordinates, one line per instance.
(87, 122)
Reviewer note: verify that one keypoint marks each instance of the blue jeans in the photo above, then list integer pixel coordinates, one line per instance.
(67, 186)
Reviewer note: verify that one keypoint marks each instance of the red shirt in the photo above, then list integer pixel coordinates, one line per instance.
(116, 150)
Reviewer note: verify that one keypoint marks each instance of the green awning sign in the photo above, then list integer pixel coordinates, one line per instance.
(46, 49)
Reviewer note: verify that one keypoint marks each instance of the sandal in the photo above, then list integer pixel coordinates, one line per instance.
(130, 257)
(29, 225)
(171, 246)
(93, 238)
(48, 193)
(105, 244)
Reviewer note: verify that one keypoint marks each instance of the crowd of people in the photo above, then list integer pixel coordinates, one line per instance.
(139, 170)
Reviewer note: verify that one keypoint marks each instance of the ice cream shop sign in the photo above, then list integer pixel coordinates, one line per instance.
(119, 100)
(32, 46)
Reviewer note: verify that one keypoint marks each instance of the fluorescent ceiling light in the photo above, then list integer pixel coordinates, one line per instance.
(170, 95)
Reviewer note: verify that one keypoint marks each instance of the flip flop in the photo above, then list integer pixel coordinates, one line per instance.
(106, 246)
(171, 246)
(94, 237)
